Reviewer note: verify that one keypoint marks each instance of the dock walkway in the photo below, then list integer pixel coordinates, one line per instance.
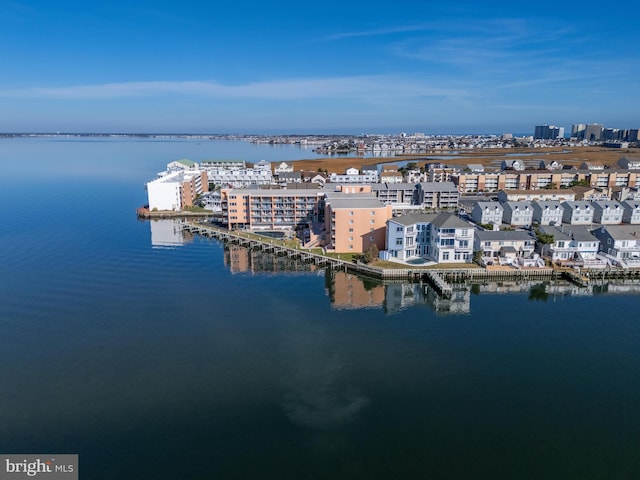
(440, 278)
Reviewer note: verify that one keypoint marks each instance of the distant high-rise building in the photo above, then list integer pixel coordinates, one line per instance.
(548, 132)
(593, 132)
(577, 131)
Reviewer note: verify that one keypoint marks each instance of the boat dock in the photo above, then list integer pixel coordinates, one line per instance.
(440, 278)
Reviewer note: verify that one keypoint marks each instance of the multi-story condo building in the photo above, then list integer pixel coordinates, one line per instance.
(239, 177)
(395, 193)
(631, 212)
(441, 237)
(547, 212)
(470, 182)
(229, 164)
(437, 195)
(487, 213)
(176, 190)
(353, 175)
(354, 222)
(536, 195)
(518, 214)
(269, 210)
(441, 173)
(607, 212)
(577, 213)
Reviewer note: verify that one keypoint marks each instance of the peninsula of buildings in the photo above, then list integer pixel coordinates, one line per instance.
(521, 214)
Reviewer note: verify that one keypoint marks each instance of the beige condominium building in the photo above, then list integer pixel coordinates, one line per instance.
(269, 210)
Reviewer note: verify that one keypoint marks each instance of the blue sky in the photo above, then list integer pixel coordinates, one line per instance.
(324, 67)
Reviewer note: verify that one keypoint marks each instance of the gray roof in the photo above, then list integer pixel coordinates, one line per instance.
(515, 235)
(449, 220)
(393, 186)
(356, 202)
(438, 186)
(547, 203)
(623, 232)
(412, 218)
(312, 189)
(579, 233)
(490, 205)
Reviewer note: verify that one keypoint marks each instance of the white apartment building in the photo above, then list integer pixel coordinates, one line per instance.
(176, 190)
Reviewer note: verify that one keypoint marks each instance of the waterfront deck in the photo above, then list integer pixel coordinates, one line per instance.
(440, 277)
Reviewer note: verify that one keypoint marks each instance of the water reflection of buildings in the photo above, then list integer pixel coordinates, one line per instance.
(168, 233)
(402, 295)
(350, 291)
(243, 260)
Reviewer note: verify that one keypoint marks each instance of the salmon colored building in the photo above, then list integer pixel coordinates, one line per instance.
(354, 222)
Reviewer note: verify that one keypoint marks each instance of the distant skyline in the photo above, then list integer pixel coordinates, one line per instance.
(335, 67)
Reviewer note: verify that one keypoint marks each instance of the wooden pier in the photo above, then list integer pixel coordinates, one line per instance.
(440, 278)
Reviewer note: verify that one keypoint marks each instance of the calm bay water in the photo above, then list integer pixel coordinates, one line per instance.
(181, 362)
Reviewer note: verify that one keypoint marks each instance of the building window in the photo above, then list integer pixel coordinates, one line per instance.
(350, 230)
(350, 222)
(351, 213)
(445, 256)
(373, 212)
(398, 241)
(399, 229)
(351, 239)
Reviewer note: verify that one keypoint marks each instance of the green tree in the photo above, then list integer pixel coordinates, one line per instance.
(371, 254)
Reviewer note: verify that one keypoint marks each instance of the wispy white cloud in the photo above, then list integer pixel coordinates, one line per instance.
(356, 87)
(381, 31)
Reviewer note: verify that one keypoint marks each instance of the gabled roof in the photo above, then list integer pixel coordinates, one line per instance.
(623, 232)
(493, 235)
(449, 220)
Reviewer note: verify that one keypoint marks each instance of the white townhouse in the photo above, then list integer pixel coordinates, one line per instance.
(504, 247)
(572, 245)
(283, 167)
(441, 237)
(518, 214)
(622, 242)
(631, 213)
(629, 163)
(577, 213)
(547, 212)
(607, 212)
(487, 213)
